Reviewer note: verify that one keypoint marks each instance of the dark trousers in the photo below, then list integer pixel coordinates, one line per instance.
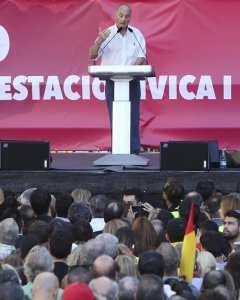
(135, 94)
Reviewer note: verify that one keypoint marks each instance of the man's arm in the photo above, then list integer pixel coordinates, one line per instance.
(103, 35)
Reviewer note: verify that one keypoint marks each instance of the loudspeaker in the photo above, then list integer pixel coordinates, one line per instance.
(184, 156)
(24, 155)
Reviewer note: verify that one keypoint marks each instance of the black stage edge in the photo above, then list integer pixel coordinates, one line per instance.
(71, 170)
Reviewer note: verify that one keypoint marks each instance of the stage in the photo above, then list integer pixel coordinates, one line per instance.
(71, 170)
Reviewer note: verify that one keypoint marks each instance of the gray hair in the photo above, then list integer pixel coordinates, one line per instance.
(38, 260)
(111, 244)
(90, 251)
(104, 288)
(8, 231)
(78, 210)
(128, 288)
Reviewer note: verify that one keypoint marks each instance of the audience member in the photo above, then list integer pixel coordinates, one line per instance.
(231, 230)
(97, 205)
(37, 261)
(104, 288)
(145, 234)
(151, 262)
(60, 245)
(105, 265)
(45, 286)
(78, 210)
(110, 242)
(8, 237)
(81, 195)
(63, 202)
(40, 201)
(127, 288)
(90, 251)
(81, 231)
(77, 291)
(113, 210)
(79, 274)
(127, 265)
(150, 287)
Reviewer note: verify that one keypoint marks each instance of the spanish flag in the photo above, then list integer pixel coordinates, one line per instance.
(188, 249)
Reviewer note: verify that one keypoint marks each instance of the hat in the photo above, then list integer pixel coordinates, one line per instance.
(77, 291)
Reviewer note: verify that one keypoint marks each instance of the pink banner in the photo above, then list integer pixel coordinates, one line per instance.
(46, 92)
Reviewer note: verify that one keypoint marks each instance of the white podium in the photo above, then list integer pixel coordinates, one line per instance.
(121, 115)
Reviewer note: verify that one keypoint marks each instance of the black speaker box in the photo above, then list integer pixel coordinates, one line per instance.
(24, 155)
(184, 156)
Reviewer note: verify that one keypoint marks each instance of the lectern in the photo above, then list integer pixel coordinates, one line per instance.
(121, 118)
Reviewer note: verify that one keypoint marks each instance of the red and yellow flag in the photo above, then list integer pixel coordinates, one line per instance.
(188, 249)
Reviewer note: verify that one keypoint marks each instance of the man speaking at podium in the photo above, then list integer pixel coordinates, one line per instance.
(122, 45)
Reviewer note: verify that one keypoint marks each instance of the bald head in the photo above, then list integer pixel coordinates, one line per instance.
(45, 286)
(104, 288)
(104, 265)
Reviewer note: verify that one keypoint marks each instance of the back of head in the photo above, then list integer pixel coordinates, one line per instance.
(28, 242)
(98, 204)
(206, 188)
(77, 291)
(113, 226)
(215, 243)
(40, 229)
(229, 202)
(151, 262)
(208, 225)
(126, 236)
(170, 257)
(60, 243)
(113, 210)
(104, 288)
(8, 231)
(40, 201)
(63, 202)
(185, 207)
(150, 287)
(81, 195)
(11, 291)
(128, 288)
(127, 265)
(82, 231)
(79, 274)
(90, 251)
(111, 243)
(174, 192)
(38, 260)
(8, 273)
(176, 230)
(45, 285)
(205, 262)
(165, 216)
(213, 279)
(213, 203)
(78, 210)
(105, 265)
(145, 233)
(233, 267)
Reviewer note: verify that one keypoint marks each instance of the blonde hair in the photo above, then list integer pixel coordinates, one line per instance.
(229, 202)
(127, 265)
(81, 195)
(113, 226)
(205, 262)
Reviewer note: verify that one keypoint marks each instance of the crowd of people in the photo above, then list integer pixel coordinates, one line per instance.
(75, 245)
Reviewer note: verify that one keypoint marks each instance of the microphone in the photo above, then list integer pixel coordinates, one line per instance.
(130, 29)
(101, 50)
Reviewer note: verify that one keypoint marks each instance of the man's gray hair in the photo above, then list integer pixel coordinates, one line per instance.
(111, 243)
(8, 231)
(104, 288)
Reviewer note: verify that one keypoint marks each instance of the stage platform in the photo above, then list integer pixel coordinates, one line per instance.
(71, 170)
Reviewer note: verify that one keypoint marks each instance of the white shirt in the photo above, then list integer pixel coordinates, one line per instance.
(122, 50)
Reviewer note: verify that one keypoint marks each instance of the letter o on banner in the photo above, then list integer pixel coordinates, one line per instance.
(4, 43)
